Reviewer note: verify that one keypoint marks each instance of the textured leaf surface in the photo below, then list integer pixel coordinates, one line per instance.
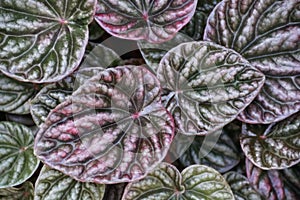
(241, 187)
(267, 34)
(25, 192)
(112, 129)
(16, 154)
(206, 86)
(195, 27)
(165, 182)
(274, 184)
(53, 184)
(153, 20)
(217, 152)
(15, 95)
(43, 41)
(274, 147)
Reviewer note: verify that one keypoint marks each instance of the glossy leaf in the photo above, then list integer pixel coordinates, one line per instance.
(275, 146)
(18, 162)
(43, 41)
(206, 86)
(241, 187)
(52, 184)
(112, 129)
(165, 182)
(267, 34)
(15, 95)
(25, 192)
(195, 27)
(273, 184)
(153, 20)
(215, 150)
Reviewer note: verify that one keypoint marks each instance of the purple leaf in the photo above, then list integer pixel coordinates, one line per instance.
(112, 129)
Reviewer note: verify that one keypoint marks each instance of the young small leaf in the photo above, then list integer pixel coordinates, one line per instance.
(25, 192)
(18, 162)
(165, 182)
(153, 20)
(206, 86)
(267, 34)
(52, 184)
(43, 41)
(112, 129)
(274, 147)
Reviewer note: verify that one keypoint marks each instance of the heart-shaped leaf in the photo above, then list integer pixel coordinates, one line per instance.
(241, 187)
(43, 41)
(52, 184)
(25, 192)
(165, 182)
(274, 184)
(153, 20)
(112, 129)
(275, 146)
(215, 150)
(195, 27)
(267, 34)
(15, 95)
(17, 162)
(206, 86)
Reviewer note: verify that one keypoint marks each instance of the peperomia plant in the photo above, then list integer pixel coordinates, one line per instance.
(150, 99)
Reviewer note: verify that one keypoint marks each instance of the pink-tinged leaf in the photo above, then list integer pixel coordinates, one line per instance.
(206, 86)
(112, 129)
(267, 34)
(153, 20)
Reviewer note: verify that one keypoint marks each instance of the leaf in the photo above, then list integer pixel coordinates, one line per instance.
(112, 129)
(241, 187)
(272, 184)
(25, 192)
(206, 86)
(274, 147)
(165, 182)
(95, 31)
(15, 95)
(195, 27)
(52, 184)
(153, 20)
(43, 41)
(153, 53)
(267, 34)
(16, 154)
(215, 150)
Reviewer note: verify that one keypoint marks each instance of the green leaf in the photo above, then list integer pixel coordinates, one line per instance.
(18, 162)
(52, 184)
(275, 146)
(196, 182)
(25, 192)
(15, 96)
(205, 86)
(241, 187)
(43, 41)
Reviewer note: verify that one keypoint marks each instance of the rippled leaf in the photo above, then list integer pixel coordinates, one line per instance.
(25, 192)
(52, 184)
(43, 41)
(17, 161)
(274, 184)
(15, 95)
(165, 182)
(267, 34)
(276, 146)
(206, 86)
(195, 27)
(241, 187)
(153, 20)
(112, 129)
(215, 150)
